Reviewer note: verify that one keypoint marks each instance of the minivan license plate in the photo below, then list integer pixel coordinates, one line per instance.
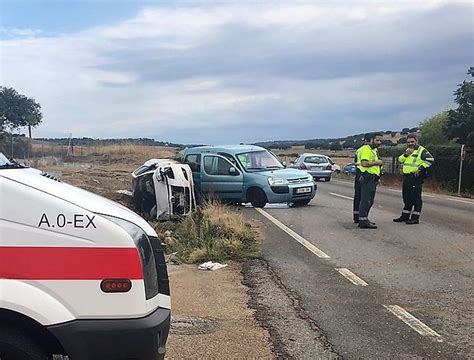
(303, 190)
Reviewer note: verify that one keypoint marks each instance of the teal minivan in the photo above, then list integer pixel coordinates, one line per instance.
(246, 173)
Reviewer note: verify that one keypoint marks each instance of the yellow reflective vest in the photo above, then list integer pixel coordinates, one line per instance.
(419, 158)
(357, 155)
(367, 153)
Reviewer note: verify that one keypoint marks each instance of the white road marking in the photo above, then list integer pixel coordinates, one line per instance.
(393, 190)
(342, 196)
(412, 321)
(353, 278)
(299, 238)
(461, 201)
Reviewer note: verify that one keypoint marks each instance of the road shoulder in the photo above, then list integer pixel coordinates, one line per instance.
(211, 318)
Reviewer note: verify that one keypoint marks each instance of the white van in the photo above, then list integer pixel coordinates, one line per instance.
(80, 275)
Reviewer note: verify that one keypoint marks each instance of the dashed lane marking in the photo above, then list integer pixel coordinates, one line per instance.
(297, 237)
(413, 322)
(342, 196)
(353, 278)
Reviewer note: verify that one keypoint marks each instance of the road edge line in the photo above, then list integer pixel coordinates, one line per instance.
(319, 253)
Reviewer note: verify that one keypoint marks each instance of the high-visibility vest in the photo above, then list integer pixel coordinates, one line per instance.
(412, 162)
(370, 154)
(357, 155)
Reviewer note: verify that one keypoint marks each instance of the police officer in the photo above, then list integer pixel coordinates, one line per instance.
(355, 208)
(370, 173)
(415, 162)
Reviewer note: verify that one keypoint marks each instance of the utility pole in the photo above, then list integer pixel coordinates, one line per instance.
(463, 157)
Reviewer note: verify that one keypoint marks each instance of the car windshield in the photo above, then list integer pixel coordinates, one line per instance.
(258, 161)
(316, 160)
(7, 164)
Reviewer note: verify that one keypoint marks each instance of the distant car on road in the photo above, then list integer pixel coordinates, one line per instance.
(317, 165)
(349, 168)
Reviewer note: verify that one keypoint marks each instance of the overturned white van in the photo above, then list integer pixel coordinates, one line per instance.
(164, 189)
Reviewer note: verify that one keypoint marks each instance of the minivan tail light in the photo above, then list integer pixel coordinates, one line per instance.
(303, 166)
(115, 285)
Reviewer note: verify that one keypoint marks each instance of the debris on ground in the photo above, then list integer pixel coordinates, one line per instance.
(211, 266)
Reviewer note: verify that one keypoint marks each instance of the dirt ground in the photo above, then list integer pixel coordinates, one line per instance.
(211, 315)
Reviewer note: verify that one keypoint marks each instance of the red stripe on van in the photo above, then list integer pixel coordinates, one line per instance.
(69, 263)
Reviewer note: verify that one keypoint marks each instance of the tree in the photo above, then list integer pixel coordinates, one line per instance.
(432, 130)
(17, 110)
(460, 123)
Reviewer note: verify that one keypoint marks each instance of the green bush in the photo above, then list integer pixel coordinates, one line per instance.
(212, 233)
(446, 167)
(20, 145)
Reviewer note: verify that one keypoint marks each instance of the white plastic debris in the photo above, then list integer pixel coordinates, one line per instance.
(126, 192)
(211, 266)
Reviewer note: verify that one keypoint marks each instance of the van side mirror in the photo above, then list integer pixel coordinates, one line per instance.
(233, 171)
(284, 164)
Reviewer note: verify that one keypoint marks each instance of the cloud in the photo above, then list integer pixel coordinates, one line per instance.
(15, 32)
(216, 73)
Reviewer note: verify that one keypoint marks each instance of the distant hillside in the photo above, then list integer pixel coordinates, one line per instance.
(390, 138)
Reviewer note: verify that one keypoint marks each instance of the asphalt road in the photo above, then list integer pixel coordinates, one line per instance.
(412, 294)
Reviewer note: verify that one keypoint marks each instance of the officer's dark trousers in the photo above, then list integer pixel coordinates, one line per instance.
(411, 192)
(355, 208)
(368, 186)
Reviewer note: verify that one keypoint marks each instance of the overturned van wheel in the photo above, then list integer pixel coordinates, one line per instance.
(257, 197)
(15, 345)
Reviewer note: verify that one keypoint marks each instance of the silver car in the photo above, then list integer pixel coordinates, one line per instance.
(316, 165)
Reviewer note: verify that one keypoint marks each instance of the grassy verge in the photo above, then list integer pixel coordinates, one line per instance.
(213, 232)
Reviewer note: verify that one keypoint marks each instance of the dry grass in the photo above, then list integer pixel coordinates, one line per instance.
(214, 232)
(102, 170)
(223, 215)
(44, 149)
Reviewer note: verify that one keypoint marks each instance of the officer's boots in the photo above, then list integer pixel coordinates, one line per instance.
(366, 224)
(415, 219)
(405, 216)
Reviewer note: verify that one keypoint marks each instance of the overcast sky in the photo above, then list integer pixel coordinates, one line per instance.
(229, 72)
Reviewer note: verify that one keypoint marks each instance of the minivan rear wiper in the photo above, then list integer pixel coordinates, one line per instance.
(274, 167)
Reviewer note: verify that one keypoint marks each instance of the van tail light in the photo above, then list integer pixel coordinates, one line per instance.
(329, 167)
(303, 166)
(115, 285)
